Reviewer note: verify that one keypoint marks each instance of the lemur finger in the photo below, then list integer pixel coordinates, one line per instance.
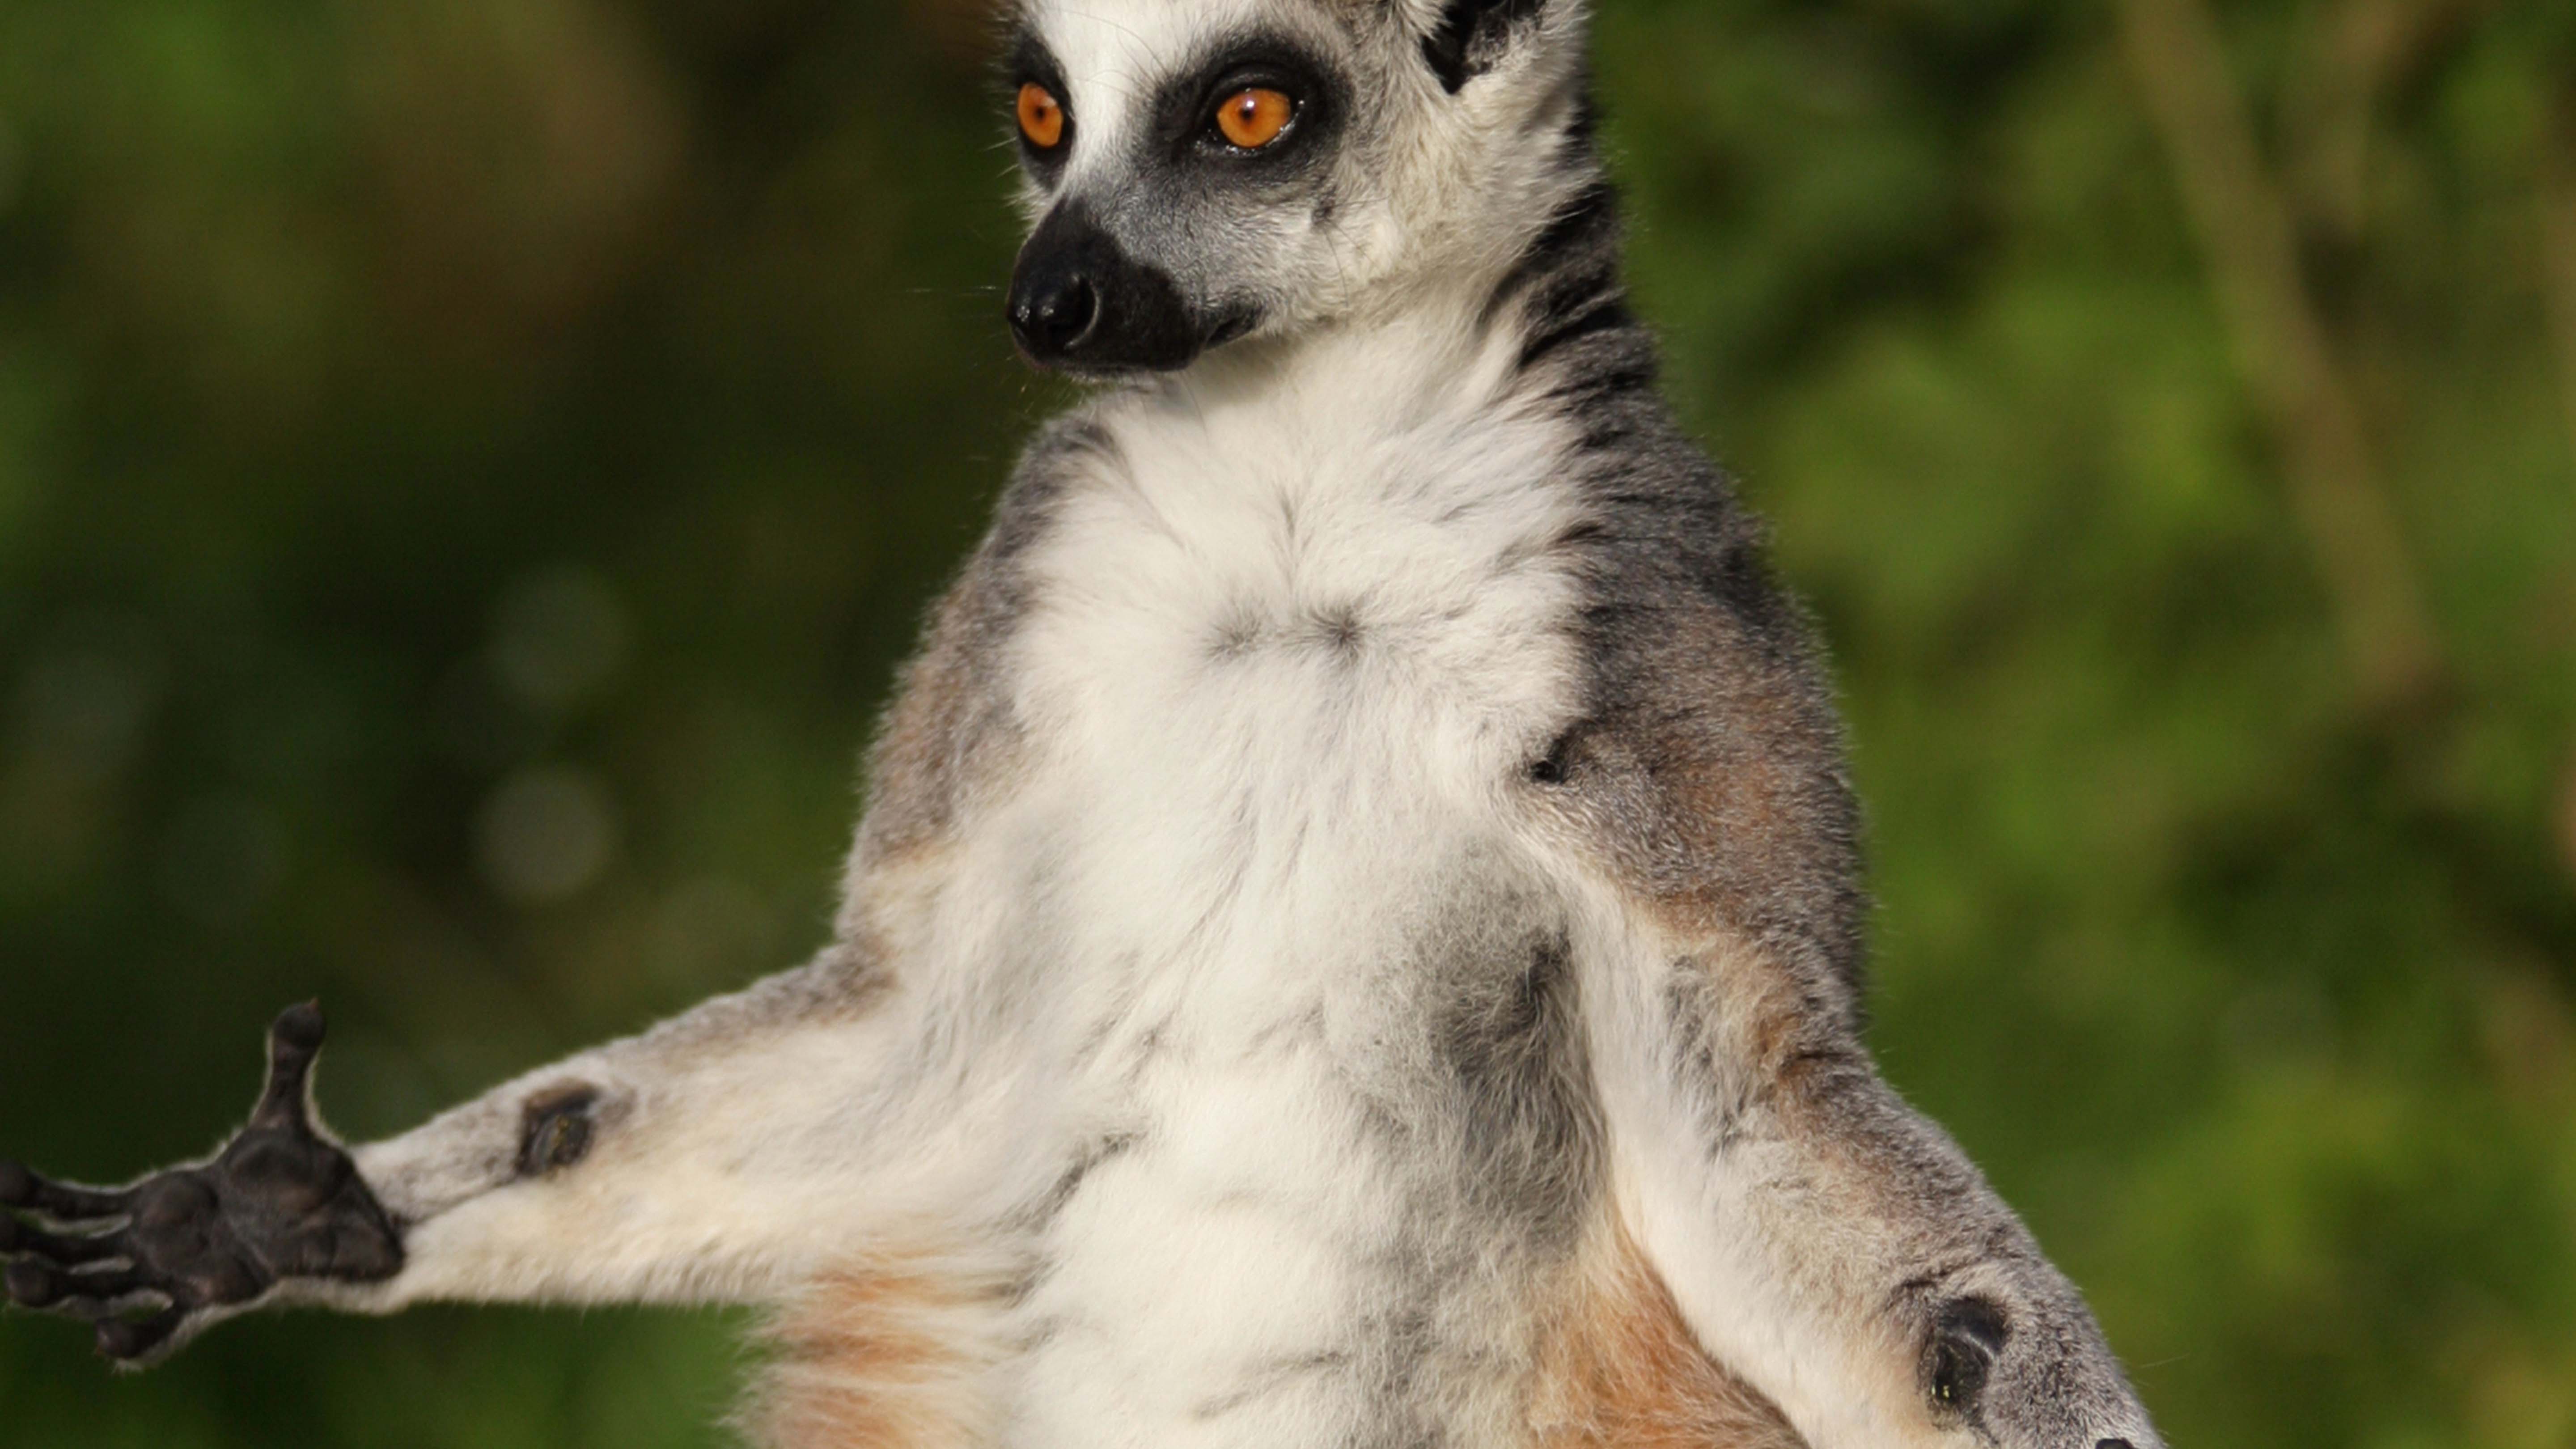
(70, 1252)
(294, 1039)
(35, 1285)
(61, 1201)
(128, 1339)
(31, 1285)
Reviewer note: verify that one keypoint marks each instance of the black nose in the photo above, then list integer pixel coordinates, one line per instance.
(1080, 301)
(1053, 316)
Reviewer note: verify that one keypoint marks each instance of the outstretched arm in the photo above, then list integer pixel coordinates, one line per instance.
(724, 1156)
(719, 1157)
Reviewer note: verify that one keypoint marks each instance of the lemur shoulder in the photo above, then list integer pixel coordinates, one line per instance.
(1356, 935)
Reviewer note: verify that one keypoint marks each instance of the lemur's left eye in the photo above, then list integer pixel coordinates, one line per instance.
(1255, 117)
(1041, 117)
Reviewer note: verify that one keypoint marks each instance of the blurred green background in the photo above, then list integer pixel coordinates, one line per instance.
(469, 467)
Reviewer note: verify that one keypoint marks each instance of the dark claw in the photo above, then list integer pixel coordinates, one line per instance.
(280, 1202)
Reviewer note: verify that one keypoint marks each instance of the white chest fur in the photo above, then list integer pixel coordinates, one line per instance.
(1288, 653)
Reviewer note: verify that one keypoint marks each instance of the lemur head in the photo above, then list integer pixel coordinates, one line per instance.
(1200, 171)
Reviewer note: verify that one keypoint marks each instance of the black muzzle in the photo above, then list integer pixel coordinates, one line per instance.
(1079, 302)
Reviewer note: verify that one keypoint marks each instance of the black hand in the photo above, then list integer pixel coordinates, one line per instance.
(280, 1202)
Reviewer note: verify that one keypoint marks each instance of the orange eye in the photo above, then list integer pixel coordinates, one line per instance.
(1254, 118)
(1041, 117)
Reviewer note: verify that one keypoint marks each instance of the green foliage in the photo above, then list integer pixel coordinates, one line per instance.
(468, 469)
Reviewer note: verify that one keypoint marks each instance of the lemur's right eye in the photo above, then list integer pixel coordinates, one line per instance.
(1041, 117)
(1254, 117)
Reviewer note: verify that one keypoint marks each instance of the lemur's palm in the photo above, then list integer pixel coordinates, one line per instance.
(280, 1202)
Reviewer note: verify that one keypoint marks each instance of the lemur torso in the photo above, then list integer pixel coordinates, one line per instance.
(1274, 654)
(1354, 942)
(1267, 701)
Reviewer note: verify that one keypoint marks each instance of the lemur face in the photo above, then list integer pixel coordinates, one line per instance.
(1205, 170)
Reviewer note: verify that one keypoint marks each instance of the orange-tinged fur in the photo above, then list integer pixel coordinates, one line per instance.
(893, 1350)
(897, 1352)
(1618, 1368)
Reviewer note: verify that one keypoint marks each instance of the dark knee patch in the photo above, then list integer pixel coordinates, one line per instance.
(556, 1129)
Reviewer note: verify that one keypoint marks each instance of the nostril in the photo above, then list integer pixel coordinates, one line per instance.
(2111, 1444)
(1067, 316)
(1058, 317)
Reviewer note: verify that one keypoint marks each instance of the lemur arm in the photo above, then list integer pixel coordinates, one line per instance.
(1826, 1242)
(715, 1158)
(722, 1156)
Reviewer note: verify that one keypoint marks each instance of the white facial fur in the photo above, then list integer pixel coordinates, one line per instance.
(1418, 190)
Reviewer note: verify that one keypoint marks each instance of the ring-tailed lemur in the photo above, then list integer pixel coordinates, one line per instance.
(1356, 936)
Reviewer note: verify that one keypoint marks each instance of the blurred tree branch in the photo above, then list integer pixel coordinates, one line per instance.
(2567, 821)
(2366, 49)
(2244, 225)
(2557, 173)
(2558, 242)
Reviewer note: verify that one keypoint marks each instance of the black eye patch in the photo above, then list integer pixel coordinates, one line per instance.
(1031, 63)
(1185, 107)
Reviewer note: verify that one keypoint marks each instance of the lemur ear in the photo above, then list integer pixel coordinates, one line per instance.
(1470, 37)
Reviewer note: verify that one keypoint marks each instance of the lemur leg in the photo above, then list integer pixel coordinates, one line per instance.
(1821, 1237)
(722, 1157)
